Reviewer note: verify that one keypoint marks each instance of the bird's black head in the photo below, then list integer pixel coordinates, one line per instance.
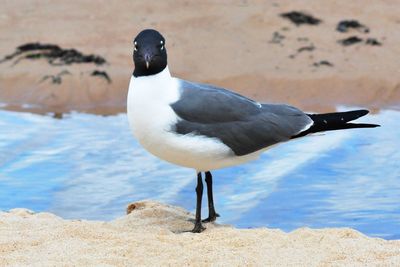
(149, 53)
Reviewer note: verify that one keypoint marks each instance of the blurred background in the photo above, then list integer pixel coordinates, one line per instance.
(66, 64)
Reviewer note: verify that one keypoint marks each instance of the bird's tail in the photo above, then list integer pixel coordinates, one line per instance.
(336, 121)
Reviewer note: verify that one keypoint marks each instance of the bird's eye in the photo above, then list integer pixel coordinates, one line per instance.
(135, 46)
(161, 45)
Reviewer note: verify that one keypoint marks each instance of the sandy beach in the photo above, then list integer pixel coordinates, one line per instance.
(153, 234)
(242, 45)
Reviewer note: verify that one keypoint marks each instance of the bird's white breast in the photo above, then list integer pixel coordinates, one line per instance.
(151, 119)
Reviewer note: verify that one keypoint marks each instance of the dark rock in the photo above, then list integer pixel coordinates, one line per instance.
(299, 18)
(56, 79)
(354, 39)
(54, 55)
(57, 115)
(373, 41)
(346, 25)
(102, 74)
(302, 39)
(350, 41)
(306, 48)
(277, 38)
(37, 46)
(323, 63)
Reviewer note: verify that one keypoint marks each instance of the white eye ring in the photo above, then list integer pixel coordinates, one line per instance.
(135, 46)
(162, 47)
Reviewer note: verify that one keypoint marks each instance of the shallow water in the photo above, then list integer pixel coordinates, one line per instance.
(89, 167)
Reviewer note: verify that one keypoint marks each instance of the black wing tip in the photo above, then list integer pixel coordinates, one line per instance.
(363, 112)
(352, 114)
(357, 113)
(361, 125)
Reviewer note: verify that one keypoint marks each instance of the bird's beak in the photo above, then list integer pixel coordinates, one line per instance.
(147, 58)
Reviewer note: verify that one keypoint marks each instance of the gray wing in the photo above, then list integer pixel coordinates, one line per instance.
(239, 122)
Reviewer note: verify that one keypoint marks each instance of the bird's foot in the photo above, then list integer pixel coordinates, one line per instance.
(198, 228)
(211, 217)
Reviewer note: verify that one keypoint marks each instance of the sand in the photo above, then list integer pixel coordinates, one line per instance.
(227, 43)
(153, 234)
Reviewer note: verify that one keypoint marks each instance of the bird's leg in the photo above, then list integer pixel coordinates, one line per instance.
(212, 215)
(198, 227)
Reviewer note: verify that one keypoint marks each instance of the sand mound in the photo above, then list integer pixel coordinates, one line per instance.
(154, 234)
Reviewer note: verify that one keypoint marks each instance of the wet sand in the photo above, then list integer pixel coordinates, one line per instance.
(227, 43)
(154, 234)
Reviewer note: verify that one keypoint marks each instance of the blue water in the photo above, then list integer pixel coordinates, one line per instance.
(90, 167)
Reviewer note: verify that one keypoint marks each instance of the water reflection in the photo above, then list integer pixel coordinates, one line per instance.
(87, 166)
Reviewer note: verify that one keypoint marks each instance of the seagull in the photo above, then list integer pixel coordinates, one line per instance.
(204, 127)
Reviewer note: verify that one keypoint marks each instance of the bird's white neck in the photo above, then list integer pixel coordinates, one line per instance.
(155, 89)
(164, 74)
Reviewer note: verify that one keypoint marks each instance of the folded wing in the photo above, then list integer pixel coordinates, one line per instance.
(239, 122)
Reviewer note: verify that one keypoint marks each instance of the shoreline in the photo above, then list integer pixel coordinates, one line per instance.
(307, 96)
